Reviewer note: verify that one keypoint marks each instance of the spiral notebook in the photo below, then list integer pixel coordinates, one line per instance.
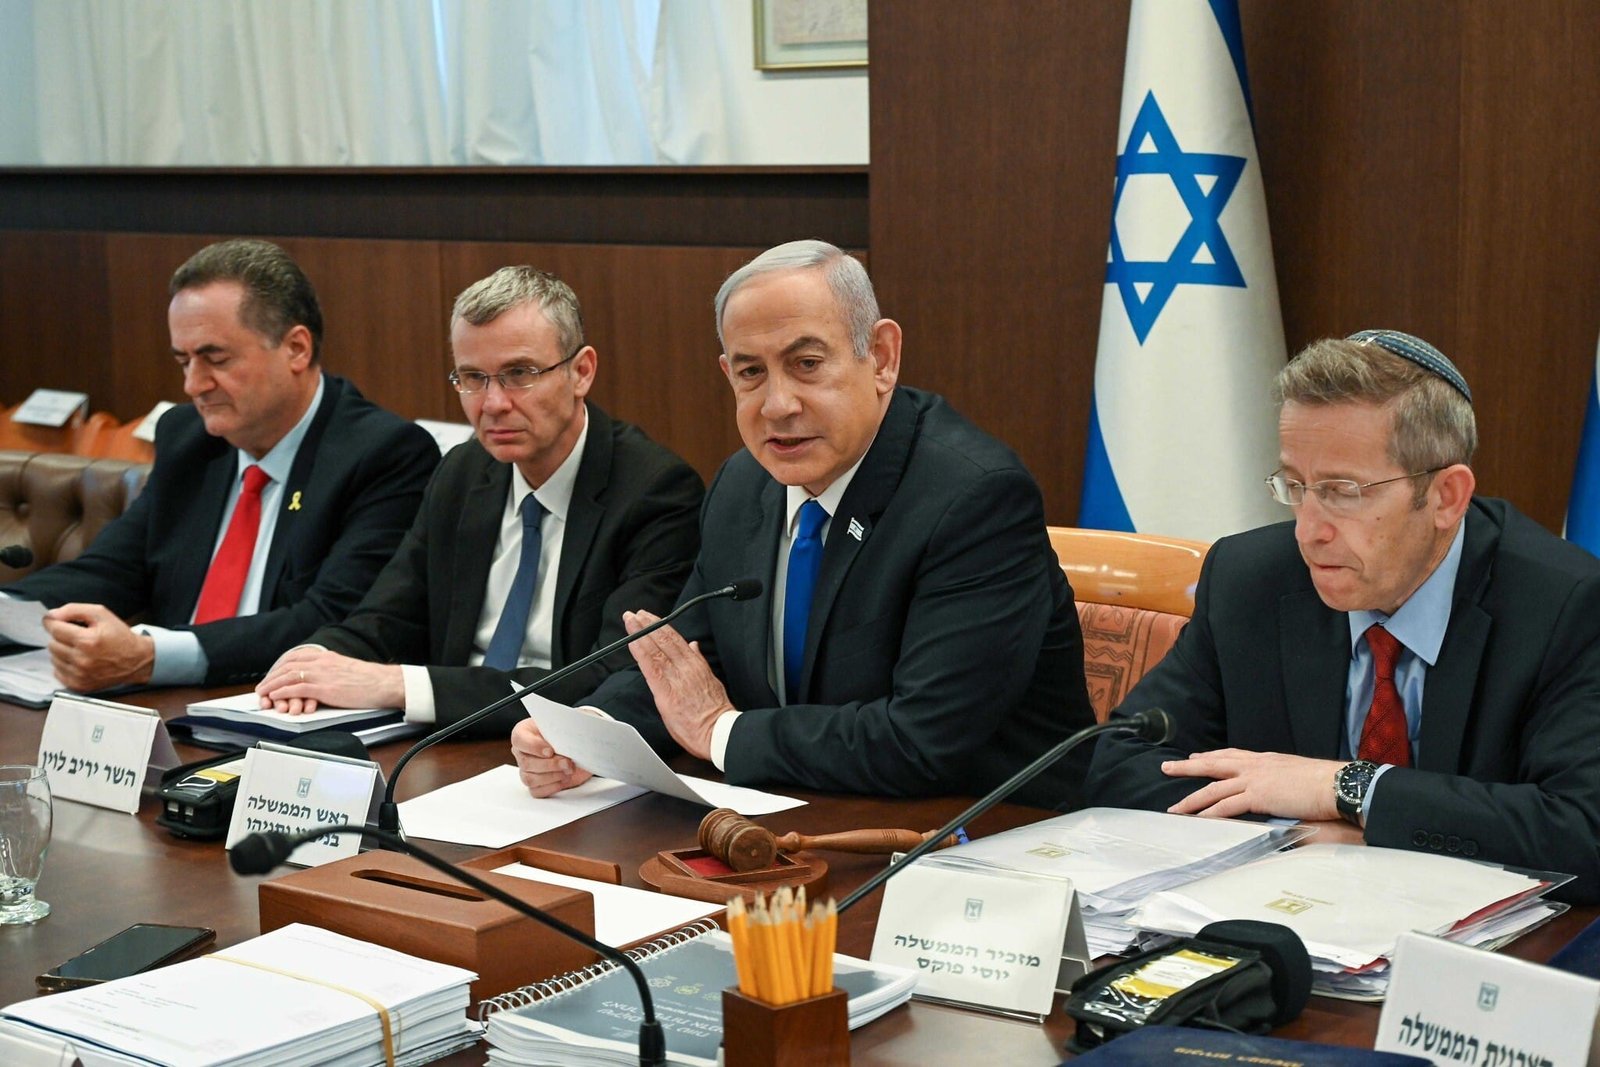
(592, 1016)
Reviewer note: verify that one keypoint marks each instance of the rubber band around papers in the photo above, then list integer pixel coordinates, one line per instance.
(566, 983)
(372, 1002)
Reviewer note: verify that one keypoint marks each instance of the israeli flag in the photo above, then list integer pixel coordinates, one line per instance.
(1583, 507)
(1182, 429)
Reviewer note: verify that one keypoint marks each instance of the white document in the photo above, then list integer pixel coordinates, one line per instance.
(494, 809)
(147, 425)
(22, 621)
(1348, 903)
(615, 749)
(622, 914)
(220, 1008)
(1456, 1004)
(246, 707)
(28, 677)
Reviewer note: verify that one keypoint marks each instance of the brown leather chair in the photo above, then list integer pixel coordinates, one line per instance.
(118, 442)
(1134, 593)
(56, 504)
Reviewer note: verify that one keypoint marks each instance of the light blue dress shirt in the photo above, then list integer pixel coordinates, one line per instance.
(1419, 626)
(179, 658)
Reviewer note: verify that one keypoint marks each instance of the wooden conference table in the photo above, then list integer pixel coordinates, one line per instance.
(106, 870)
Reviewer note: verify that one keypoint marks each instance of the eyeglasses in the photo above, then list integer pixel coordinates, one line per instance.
(469, 382)
(1337, 494)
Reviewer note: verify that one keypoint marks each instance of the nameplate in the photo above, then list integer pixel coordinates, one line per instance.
(1454, 1004)
(50, 407)
(146, 430)
(291, 790)
(103, 753)
(992, 939)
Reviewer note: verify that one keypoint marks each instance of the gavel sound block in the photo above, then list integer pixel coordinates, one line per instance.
(739, 857)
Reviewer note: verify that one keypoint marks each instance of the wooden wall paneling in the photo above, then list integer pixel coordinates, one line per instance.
(706, 206)
(382, 324)
(1530, 241)
(138, 268)
(647, 311)
(993, 155)
(52, 334)
(1357, 111)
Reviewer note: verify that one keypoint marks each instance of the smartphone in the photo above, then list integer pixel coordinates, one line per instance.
(138, 948)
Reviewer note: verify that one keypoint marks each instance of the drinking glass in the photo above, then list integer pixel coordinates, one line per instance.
(24, 837)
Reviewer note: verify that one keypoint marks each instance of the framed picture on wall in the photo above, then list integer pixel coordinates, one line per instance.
(810, 34)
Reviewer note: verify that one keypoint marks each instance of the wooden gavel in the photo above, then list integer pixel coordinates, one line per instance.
(746, 846)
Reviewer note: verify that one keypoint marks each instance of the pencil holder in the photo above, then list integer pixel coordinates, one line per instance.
(807, 1033)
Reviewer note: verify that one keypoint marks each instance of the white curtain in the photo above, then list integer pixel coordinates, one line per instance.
(407, 83)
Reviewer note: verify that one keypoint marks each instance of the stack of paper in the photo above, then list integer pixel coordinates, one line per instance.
(240, 721)
(1349, 904)
(295, 996)
(1116, 858)
(28, 678)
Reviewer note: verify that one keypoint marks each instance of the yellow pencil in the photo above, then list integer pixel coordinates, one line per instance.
(739, 931)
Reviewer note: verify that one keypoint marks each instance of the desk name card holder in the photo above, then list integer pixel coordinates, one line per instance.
(103, 753)
(1454, 1004)
(51, 407)
(293, 789)
(392, 899)
(1002, 941)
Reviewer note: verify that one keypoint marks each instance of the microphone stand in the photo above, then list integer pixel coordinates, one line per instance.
(259, 853)
(389, 811)
(1146, 722)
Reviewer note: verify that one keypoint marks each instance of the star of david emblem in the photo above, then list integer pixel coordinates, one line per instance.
(1202, 255)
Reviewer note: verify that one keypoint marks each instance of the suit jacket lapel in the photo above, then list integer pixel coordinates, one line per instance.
(755, 552)
(583, 519)
(293, 509)
(868, 496)
(477, 533)
(1447, 693)
(204, 512)
(1314, 648)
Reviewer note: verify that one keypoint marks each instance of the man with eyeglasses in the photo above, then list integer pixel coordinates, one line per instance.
(1420, 661)
(275, 499)
(532, 539)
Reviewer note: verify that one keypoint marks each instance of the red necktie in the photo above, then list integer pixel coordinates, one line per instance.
(219, 597)
(1385, 738)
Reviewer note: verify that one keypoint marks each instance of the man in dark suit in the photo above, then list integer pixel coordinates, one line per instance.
(273, 502)
(479, 596)
(1421, 661)
(915, 634)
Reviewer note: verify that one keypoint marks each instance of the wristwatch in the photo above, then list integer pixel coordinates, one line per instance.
(1350, 785)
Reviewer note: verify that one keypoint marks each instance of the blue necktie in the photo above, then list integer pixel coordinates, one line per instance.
(805, 557)
(506, 645)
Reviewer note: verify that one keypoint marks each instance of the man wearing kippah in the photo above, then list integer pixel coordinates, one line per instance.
(1421, 661)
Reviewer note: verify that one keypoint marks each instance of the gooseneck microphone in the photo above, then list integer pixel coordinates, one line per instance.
(16, 556)
(389, 811)
(260, 852)
(1152, 724)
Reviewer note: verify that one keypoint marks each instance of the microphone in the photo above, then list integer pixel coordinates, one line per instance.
(16, 556)
(1152, 724)
(260, 852)
(389, 811)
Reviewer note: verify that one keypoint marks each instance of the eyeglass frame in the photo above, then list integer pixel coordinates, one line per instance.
(1321, 489)
(454, 377)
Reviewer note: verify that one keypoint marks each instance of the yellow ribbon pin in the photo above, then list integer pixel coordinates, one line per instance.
(294, 501)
